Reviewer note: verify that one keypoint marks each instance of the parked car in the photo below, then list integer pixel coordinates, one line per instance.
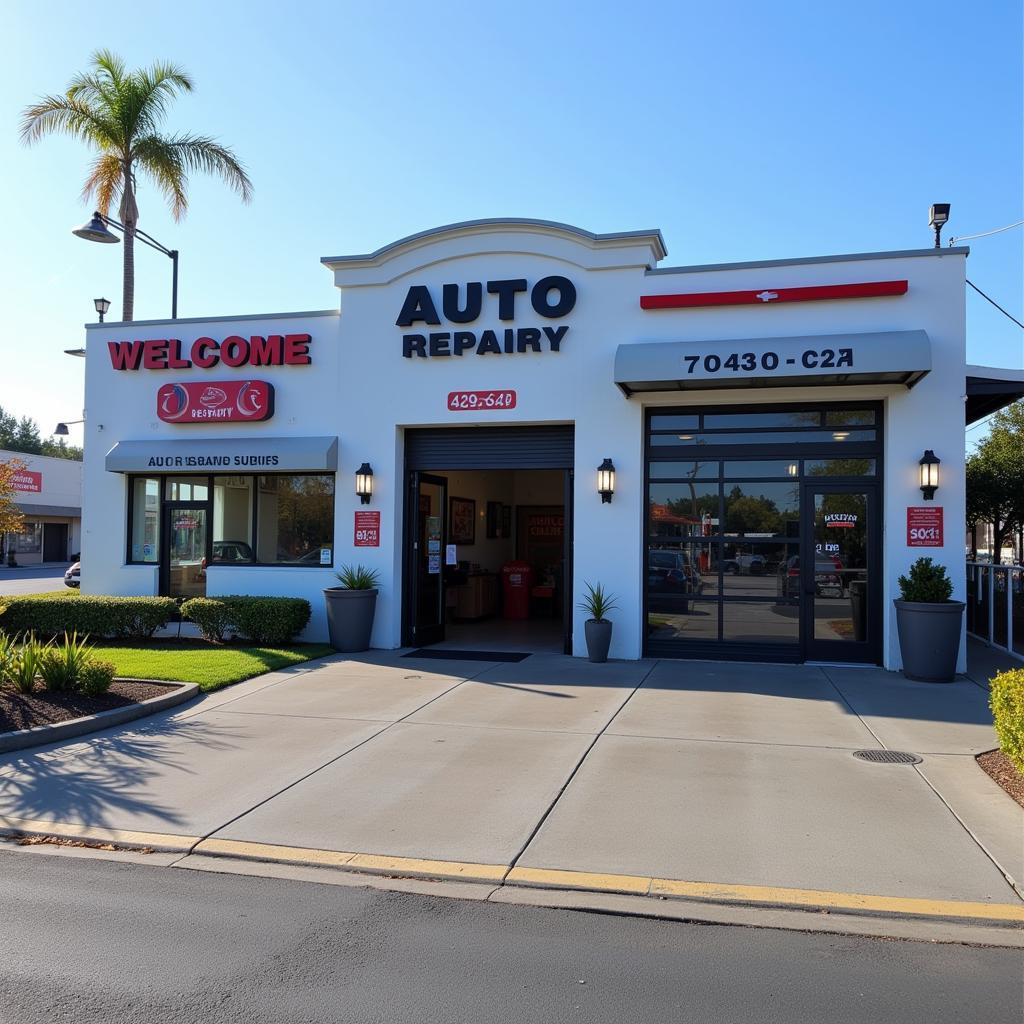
(73, 577)
(671, 572)
(231, 551)
(828, 582)
(745, 564)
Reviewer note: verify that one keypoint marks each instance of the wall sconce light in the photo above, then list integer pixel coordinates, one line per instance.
(606, 480)
(793, 469)
(929, 474)
(364, 483)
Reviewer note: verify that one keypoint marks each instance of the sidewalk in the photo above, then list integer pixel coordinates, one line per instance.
(694, 780)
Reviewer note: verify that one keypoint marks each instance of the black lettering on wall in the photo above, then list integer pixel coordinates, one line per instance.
(541, 294)
(488, 343)
(506, 292)
(450, 302)
(462, 340)
(555, 336)
(418, 305)
(413, 344)
(439, 344)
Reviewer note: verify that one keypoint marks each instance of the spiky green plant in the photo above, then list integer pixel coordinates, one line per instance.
(61, 664)
(358, 577)
(26, 664)
(597, 602)
(118, 113)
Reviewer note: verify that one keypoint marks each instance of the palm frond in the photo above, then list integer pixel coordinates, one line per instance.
(163, 165)
(105, 181)
(67, 116)
(201, 153)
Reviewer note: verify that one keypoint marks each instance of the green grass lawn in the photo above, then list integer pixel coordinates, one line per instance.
(196, 661)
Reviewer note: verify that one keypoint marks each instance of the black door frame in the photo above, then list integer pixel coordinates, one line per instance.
(63, 531)
(412, 634)
(869, 650)
(167, 509)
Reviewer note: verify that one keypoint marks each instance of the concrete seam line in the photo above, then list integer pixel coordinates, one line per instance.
(579, 764)
(344, 753)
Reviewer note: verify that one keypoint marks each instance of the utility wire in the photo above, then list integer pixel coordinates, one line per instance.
(985, 234)
(996, 304)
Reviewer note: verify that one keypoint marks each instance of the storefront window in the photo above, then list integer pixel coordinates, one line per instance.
(30, 540)
(295, 520)
(145, 519)
(185, 488)
(232, 519)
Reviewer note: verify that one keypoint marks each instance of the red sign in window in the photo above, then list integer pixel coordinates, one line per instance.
(367, 533)
(474, 401)
(924, 527)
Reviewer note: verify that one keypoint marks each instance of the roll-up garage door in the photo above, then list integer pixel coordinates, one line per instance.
(548, 447)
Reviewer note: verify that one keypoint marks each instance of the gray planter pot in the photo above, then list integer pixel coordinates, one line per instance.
(599, 637)
(929, 639)
(350, 618)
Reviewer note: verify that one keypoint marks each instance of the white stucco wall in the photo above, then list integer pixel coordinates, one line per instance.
(361, 389)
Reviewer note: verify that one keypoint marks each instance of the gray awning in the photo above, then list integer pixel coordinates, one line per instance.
(884, 357)
(225, 455)
(990, 388)
(66, 511)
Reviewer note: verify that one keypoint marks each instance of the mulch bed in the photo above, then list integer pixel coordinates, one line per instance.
(23, 711)
(1001, 770)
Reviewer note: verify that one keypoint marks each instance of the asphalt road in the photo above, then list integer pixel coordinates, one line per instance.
(33, 579)
(92, 940)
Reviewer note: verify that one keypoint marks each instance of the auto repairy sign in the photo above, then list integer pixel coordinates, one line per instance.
(221, 401)
(924, 526)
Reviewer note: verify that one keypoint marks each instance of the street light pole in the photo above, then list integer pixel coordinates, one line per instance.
(96, 231)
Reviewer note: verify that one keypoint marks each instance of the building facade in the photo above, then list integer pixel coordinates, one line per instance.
(760, 429)
(48, 492)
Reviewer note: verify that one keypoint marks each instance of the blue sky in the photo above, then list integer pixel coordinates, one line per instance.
(743, 130)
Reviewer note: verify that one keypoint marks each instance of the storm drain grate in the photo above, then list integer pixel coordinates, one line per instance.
(887, 756)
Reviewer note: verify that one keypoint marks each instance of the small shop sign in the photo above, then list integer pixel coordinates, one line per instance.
(367, 529)
(924, 526)
(221, 401)
(27, 481)
(474, 401)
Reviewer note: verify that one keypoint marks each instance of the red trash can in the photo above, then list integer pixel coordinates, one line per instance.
(516, 579)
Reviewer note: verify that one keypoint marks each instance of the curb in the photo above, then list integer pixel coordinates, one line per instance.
(961, 912)
(40, 734)
(96, 834)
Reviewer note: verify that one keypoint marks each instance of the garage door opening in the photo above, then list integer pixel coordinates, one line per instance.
(488, 562)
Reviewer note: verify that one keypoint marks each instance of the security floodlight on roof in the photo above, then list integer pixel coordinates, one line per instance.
(96, 230)
(938, 214)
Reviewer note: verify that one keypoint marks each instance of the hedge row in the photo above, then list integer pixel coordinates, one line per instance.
(263, 620)
(122, 618)
(1007, 703)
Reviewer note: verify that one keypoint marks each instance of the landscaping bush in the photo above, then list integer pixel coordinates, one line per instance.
(928, 583)
(61, 664)
(25, 666)
(263, 620)
(121, 618)
(95, 678)
(1007, 703)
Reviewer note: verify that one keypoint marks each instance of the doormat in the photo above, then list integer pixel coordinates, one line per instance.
(430, 654)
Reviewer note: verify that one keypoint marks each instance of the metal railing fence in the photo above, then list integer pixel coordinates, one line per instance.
(995, 605)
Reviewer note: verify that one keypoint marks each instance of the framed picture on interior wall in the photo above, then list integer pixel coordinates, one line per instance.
(494, 523)
(461, 521)
(506, 521)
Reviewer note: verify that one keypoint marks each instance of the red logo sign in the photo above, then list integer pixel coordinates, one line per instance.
(814, 293)
(226, 401)
(367, 530)
(26, 480)
(474, 401)
(924, 527)
(840, 520)
(205, 353)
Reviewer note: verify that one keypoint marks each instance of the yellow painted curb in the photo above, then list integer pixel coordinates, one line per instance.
(553, 879)
(97, 834)
(850, 901)
(267, 851)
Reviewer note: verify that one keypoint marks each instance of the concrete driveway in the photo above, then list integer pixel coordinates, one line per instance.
(733, 774)
(33, 579)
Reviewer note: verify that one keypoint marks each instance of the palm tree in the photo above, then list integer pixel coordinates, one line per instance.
(118, 114)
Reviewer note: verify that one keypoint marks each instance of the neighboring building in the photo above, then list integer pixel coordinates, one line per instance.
(49, 492)
(765, 422)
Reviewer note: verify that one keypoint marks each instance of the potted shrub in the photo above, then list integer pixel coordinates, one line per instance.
(350, 608)
(928, 623)
(597, 603)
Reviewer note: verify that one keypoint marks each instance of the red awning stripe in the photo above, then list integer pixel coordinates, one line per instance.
(771, 296)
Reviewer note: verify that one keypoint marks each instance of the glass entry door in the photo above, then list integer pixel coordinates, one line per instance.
(185, 549)
(428, 519)
(840, 573)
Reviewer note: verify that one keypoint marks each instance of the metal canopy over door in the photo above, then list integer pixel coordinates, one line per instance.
(427, 519)
(839, 578)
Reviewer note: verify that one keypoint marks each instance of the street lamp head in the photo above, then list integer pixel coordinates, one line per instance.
(102, 305)
(96, 230)
(62, 430)
(938, 214)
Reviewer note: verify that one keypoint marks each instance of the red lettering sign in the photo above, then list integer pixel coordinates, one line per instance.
(222, 401)
(367, 530)
(167, 353)
(26, 480)
(924, 526)
(474, 401)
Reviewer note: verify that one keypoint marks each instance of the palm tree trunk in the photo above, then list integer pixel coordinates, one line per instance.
(129, 218)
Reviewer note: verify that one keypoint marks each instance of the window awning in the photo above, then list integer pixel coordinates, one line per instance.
(990, 388)
(227, 455)
(883, 357)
